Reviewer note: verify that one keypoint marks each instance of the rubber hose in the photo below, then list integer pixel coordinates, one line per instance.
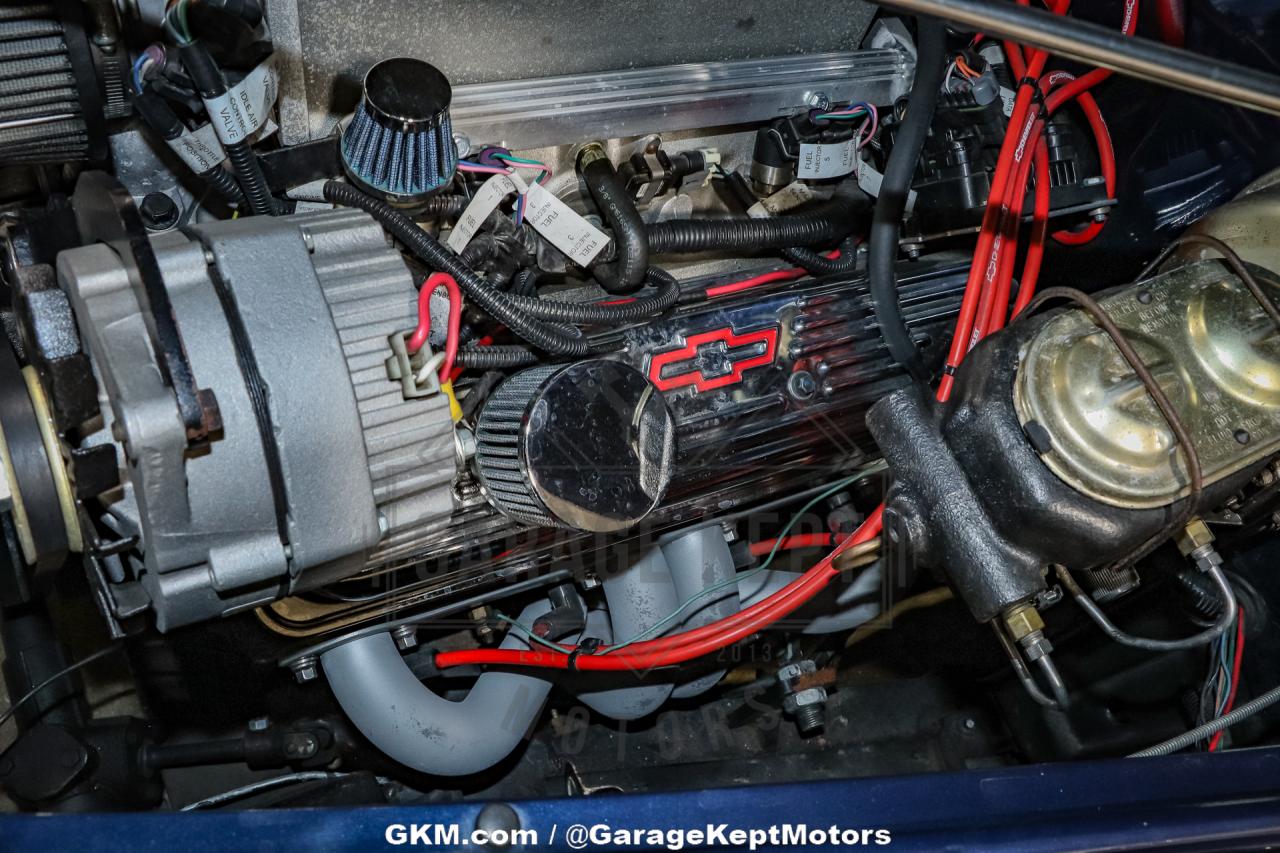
(479, 392)
(931, 63)
(816, 264)
(833, 221)
(429, 250)
(631, 242)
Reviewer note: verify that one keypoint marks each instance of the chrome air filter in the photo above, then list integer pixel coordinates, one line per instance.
(588, 446)
(399, 144)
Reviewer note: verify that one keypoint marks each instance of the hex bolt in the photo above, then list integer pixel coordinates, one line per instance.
(818, 100)
(802, 385)
(808, 706)
(406, 637)
(159, 212)
(305, 669)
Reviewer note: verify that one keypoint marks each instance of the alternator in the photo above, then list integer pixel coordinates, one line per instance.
(320, 461)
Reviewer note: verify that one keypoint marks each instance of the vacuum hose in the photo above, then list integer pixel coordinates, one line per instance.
(892, 201)
(626, 273)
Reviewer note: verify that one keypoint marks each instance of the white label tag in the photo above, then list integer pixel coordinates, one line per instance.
(245, 106)
(566, 230)
(869, 181)
(485, 201)
(199, 148)
(1007, 97)
(791, 196)
(827, 160)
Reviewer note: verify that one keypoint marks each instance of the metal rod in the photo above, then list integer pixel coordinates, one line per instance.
(1108, 48)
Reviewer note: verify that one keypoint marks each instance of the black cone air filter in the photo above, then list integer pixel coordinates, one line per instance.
(399, 145)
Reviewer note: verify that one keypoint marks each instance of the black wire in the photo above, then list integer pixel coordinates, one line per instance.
(62, 673)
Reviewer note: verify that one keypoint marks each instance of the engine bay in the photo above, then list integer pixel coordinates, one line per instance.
(759, 400)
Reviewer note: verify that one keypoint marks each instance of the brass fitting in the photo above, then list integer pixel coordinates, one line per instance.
(1195, 535)
(1023, 620)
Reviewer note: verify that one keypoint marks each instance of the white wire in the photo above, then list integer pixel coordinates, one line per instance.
(946, 81)
(431, 366)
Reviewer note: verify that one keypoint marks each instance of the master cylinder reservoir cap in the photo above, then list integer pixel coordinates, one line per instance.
(588, 446)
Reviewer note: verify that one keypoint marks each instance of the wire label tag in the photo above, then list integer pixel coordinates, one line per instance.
(485, 202)
(237, 114)
(869, 180)
(200, 149)
(1007, 97)
(829, 160)
(562, 226)
(792, 195)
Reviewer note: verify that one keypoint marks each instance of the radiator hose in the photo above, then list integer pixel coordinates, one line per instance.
(892, 201)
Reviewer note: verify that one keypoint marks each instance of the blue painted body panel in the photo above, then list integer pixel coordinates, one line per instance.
(1227, 801)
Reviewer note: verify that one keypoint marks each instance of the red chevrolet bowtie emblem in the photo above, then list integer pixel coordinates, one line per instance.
(713, 359)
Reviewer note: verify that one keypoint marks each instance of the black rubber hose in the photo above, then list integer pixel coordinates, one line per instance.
(429, 250)
(931, 65)
(479, 392)
(817, 264)
(829, 223)
(208, 81)
(494, 357)
(631, 243)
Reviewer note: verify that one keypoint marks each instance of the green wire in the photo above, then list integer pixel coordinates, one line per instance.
(528, 634)
(511, 158)
(176, 22)
(859, 114)
(662, 625)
